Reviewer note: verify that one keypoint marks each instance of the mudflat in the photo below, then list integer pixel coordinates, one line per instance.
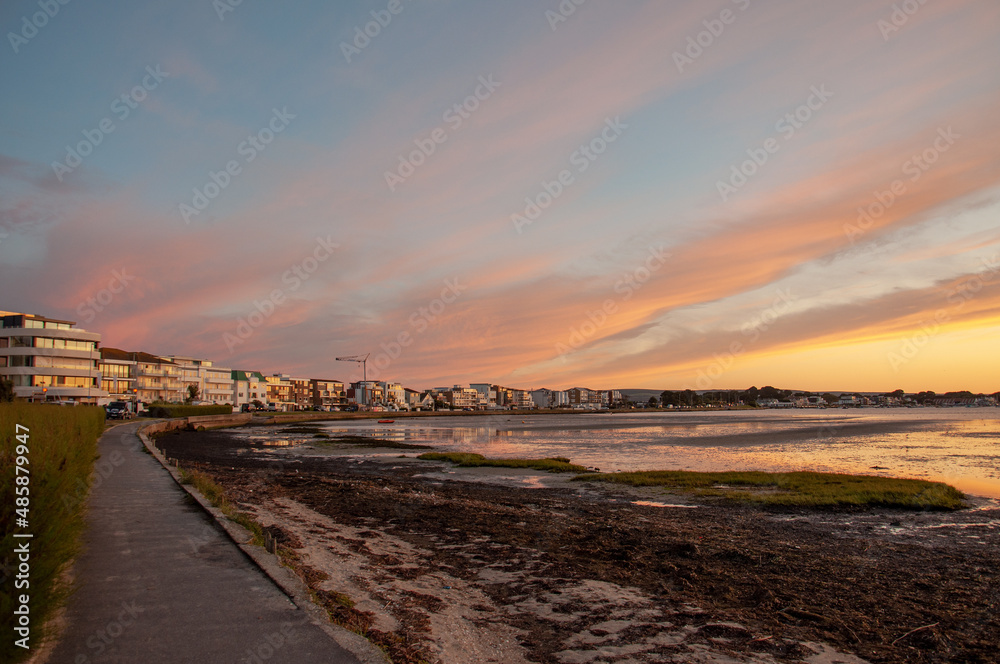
(442, 564)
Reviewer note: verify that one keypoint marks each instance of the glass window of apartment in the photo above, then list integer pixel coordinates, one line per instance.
(3, 360)
(21, 360)
(4, 341)
(63, 362)
(31, 323)
(21, 342)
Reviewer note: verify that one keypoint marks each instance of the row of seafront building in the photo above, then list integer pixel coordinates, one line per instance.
(52, 360)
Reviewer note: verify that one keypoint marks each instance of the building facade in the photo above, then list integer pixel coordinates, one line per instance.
(49, 359)
(215, 384)
(118, 376)
(328, 394)
(249, 386)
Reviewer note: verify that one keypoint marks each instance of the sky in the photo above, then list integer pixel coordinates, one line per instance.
(664, 195)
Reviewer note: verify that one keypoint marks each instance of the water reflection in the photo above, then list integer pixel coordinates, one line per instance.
(960, 446)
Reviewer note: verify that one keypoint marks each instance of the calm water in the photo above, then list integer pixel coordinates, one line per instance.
(957, 445)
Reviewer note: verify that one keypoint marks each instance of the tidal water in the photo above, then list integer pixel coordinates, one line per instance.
(958, 445)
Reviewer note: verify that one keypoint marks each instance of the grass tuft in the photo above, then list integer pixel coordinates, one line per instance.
(216, 495)
(806, 489)
(470, 460)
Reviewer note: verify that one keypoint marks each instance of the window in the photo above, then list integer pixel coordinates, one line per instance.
(21, 342)
(64, 381)
(34, 323)
(116, 370)
(3, 360)
(69, 344)
(63, 362)
(20, 360)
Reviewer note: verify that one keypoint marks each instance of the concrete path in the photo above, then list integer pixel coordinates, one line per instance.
(160, 583)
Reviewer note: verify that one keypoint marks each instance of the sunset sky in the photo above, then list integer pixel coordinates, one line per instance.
(635, 194)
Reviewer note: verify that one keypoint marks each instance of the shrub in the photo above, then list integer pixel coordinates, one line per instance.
(177, 410)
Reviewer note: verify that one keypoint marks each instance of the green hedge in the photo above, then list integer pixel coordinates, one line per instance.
(62, 447)
(172, 410)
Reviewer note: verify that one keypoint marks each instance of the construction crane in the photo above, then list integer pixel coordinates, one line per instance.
(360, 359)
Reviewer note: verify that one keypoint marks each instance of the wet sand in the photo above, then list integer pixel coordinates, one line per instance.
(473, 565)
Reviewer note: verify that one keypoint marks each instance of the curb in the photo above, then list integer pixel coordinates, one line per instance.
(296, 589)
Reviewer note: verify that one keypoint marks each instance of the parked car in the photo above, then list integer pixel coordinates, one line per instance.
(119, 410)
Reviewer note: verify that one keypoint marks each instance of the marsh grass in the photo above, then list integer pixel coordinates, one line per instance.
(806, 489)
(62, 448)
(470, 460)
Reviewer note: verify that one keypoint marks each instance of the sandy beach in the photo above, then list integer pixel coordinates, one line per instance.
(449, 565)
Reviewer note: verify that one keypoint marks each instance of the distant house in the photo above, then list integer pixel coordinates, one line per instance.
(811, 402)
(248, 386)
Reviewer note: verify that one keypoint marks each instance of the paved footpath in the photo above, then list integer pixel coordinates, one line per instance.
(158, 582)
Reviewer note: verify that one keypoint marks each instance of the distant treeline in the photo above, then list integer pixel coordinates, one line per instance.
(752, 395)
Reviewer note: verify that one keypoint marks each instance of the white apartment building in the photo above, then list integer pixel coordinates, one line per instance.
(464, 397)
(49, 359)
(394, 394)
(215, 384)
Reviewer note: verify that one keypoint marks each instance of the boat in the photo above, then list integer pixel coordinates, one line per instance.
(386, 421)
